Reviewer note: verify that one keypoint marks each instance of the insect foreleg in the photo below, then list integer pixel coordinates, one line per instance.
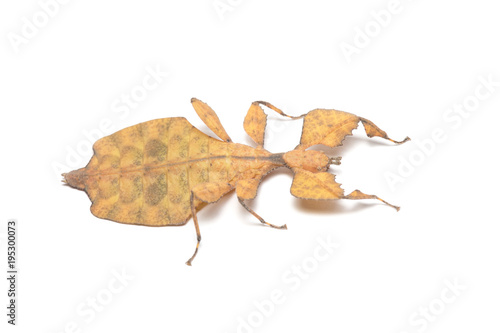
(322, 186)
(330, 127)
(373, 130)
(357, 194)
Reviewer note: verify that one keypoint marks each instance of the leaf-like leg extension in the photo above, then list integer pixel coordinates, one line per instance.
(256, 120)
(209, 117)
(246, 189)
(330, 127)
(209, 193)
(322, 186)
(373, 130)
(315, 185)
(357, 194)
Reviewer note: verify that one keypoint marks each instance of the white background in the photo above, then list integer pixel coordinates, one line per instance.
(68, 76)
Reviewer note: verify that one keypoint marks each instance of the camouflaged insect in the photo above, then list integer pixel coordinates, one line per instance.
(161, 172)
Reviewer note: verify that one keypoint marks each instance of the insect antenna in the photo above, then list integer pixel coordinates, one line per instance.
(334, 160)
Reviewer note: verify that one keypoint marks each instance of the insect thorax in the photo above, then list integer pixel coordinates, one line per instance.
(310, 160)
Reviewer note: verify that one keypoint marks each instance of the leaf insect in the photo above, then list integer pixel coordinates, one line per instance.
(162, 172)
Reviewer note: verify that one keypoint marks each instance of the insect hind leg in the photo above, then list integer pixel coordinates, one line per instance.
(209, 193)
(198, 234)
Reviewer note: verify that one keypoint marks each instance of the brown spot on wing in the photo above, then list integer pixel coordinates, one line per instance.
(156, 191)
(156, 149)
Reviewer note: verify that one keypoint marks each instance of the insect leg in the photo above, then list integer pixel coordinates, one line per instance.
(246, 189)
(260, 218)
(330, 127)
(256, 119)
(357, 194)
(198, 234)
(210, 119)
(209, 193)
(272, 107)
(373, 130)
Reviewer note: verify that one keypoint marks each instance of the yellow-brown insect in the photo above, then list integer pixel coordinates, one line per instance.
(163, 171)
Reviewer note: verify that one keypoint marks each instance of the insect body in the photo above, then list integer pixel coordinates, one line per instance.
(161, 172)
